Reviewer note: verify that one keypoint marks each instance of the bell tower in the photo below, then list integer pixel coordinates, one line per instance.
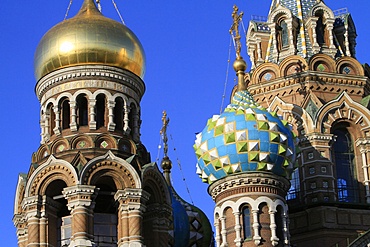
(246, 156)
(87, 184)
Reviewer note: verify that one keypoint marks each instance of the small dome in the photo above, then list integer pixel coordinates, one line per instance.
(244, 138)
(191, 225)
(89, 38)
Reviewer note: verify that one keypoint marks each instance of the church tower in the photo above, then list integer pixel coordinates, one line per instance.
(91, 181)
(304, 67)
(246, 154)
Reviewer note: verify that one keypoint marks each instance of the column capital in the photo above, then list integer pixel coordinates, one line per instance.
(132, 198)
(79, 195)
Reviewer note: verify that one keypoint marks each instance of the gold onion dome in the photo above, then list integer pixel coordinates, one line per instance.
(89, 38)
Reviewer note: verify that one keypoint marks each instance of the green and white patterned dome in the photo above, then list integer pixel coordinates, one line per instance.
(244, 138)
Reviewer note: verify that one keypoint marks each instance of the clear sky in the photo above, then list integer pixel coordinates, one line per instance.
(187, 48)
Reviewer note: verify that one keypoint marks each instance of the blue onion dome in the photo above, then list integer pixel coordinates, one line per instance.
(191, 226)
(244, 138)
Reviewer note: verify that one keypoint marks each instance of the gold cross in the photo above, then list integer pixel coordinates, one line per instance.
(234, 30)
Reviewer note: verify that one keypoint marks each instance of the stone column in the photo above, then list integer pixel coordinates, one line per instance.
(223, 232)
(218, 230)
(92, 123)
(80, 202)
(57, 127)
(365, 168)
(286, 229)
(126, 127)
(110, 106)
(131, 208)
(274, 238)
(256, 225)
(237, 227)
(73, 124)
(31, 207)
(42, 126)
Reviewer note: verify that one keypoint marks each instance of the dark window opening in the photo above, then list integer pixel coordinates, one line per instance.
(247, 230)
(82, 112)
(344, 158)
(118, 114)
(65, 114)
(100, 111)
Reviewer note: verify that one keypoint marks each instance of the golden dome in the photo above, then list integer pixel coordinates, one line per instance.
(89, 38)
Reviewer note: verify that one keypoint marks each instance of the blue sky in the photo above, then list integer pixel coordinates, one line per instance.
(187, 47)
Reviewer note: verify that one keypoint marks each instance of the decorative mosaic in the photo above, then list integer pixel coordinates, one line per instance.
(244, 138)
(321, 67)
(267, 76)
(104, 144)
(347, 70)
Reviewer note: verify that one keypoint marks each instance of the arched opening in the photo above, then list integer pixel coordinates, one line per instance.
(247, 222)
(132, 118)
(82, 112)
(344, 158)
(284, 34)
(50, 118)
(320, 29)
(118, 114)
(105, 213)
(100, 110)
(65, 113)
(59, 218)
(279, 216)
(264, 220)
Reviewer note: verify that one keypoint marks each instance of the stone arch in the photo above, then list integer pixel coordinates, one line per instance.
(327, 12)
(262, 71)
(81, 141)
(88, 94)
(42, 152)
(107, 94)
(322, 63)
(278, 12)
(343, 108)
(20, 190)
(52, 169)
(153, 178)
(299, 119)
(122, 173)
(105, 141)
(59, 145)
(127, 145)
(349, 65)
(63, 95)
(292, 64)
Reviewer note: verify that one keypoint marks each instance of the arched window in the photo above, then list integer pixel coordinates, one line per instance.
(279, 224)
(118, 114)
(132, 119)
(320, 31)
(344, 158)
(246, 214)
(284, 35)
(51, 118)
(82, 112)
(65, 113)
(59, 218)
(100, 110)
(105, 213)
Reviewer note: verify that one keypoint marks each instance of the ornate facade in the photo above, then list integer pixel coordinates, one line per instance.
(91, 181)
(304, 69)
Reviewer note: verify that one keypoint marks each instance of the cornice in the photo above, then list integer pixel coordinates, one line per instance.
(252, 182)
(90, 76)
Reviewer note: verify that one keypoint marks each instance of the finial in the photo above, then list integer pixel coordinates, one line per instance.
(239, 65)
(235, 29)
(166, 163)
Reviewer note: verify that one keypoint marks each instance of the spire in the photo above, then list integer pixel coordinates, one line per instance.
(166, 163)
(89, 7)
(239, 65)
